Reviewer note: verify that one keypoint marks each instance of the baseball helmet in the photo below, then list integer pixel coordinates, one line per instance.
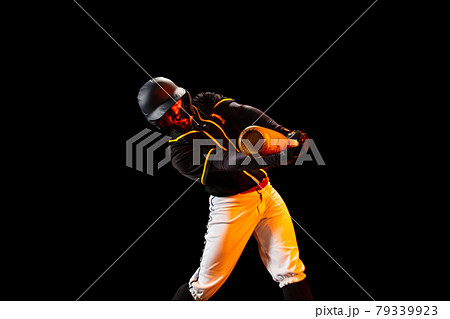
(158, 95)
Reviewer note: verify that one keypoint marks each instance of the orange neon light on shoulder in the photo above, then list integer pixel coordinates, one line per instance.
(212, 122)
(222, 100)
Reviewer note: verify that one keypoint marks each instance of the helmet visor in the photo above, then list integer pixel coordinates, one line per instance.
(163, 108)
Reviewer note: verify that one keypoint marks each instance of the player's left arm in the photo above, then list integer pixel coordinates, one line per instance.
(240, 114)
(245, 115)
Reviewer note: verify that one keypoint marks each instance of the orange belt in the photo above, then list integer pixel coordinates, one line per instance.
(258, 187)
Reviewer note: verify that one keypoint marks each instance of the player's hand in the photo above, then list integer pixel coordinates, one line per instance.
(297, 135)
(303, 145)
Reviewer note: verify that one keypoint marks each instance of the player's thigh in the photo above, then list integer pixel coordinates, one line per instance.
(231, 223)
(276, 235)
(275, 232)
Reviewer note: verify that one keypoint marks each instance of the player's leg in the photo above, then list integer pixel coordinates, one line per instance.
(183, 294)
(278, 246)
(297, 291)
(232, 221)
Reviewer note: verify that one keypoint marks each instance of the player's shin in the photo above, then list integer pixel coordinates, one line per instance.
(183, 294)
(297, 291)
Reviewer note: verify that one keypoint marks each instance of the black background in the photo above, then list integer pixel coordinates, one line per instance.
(76, 207)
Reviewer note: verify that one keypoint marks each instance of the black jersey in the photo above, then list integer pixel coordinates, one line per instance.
(208, 151)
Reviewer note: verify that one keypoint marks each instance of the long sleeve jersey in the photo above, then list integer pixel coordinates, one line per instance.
(208, 151)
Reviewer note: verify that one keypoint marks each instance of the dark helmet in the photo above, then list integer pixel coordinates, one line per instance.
(158, 95)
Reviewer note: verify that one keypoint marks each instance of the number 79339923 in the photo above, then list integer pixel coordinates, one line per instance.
(407, 310)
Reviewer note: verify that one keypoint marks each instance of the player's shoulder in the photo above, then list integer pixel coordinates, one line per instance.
(208, 99)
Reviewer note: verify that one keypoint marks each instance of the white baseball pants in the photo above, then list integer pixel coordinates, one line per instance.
(232, 221)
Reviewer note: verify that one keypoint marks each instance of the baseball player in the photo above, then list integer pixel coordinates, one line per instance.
(242, 201)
